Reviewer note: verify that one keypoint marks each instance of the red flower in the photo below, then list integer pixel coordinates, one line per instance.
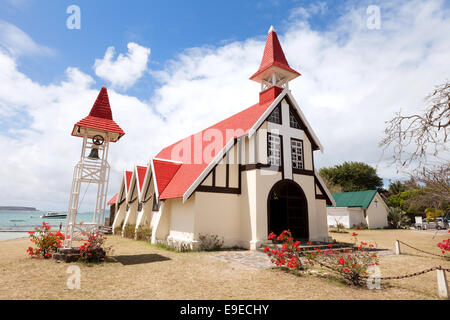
(354, 234)
(341, 261)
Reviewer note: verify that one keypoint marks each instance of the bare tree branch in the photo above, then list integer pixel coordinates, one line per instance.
(414, 137)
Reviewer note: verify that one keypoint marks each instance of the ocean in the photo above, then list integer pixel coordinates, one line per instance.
(20, 222)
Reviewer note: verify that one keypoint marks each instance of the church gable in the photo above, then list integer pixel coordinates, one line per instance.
(224, 176)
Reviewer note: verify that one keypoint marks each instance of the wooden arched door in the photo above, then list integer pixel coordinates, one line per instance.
(287, 208)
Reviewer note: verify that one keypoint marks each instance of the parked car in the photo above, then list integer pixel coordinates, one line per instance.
(440, 224)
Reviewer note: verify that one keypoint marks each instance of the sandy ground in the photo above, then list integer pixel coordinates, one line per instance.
(143, 271)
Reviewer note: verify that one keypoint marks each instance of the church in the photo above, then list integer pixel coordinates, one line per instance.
(240, 179)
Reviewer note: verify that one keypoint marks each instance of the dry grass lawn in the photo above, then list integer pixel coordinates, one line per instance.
(143, 271)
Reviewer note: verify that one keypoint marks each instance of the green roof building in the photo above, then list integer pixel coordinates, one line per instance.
(354, 209)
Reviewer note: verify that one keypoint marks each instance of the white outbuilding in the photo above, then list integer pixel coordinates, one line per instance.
(356, 208)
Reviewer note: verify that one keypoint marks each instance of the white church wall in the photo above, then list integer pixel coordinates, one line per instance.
(220, 174)
(218, 214)
(161, 222)
(131, 215)
(377, 213)
(182, 219)
(321, 220)
(119, 217)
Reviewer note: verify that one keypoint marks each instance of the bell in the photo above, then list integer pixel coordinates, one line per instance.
(94, 154)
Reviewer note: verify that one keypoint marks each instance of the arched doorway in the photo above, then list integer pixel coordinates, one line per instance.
(287, 208)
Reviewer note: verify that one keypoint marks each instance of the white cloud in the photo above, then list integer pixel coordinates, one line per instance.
(126, 69)
(16, 42)
(353, 79)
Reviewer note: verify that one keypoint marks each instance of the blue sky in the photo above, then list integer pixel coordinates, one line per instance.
(168, 27)
(174, 68)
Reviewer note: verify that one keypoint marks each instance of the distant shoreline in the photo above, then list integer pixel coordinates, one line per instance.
(15, 208)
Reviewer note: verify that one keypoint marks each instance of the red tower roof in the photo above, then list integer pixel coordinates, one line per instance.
(273, 57)
(100, 118)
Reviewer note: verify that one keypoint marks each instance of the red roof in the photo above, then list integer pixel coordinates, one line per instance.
(100, 117)
(141, 171)
(128, 175)
(113, 200)
(174, 179)
(273, 56)
(164, 172)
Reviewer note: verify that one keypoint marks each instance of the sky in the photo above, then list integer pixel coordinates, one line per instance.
(173, 68)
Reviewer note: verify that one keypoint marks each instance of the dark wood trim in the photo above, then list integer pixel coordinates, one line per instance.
(218, 189)
(239, 178)
(303, 172)
(254, 166)
(321, 197)
(156, 204)
(213, 176)
(282, 157)
(146, 190)
(324, 194)
(227, 175)
(133, 200)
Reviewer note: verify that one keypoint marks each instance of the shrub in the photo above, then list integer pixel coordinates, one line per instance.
(351, 265)
(397, 218)
(360, 226)
(129, 231)
(176, 245)
(210, 242)
(445, 246)
(289, 255)
(144, 233)
(46, 242)
(93, 250)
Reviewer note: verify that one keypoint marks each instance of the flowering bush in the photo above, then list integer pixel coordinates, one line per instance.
(445, 246)
(46, 242)
(351, 264)
(290, 254)
(93, 250)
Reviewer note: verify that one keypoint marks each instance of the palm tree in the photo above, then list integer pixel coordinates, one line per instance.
(397, 218)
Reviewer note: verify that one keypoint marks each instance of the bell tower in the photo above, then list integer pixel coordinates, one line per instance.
(97, 130)
(274, 69)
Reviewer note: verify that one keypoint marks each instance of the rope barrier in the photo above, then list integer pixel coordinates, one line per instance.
(433, 254)
(410, 275)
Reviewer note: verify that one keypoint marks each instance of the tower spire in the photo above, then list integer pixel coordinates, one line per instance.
(274, 69)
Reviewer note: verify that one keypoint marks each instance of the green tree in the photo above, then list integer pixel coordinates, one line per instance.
(433, 213)
(397, 218)
(352, 176)
(396, 187)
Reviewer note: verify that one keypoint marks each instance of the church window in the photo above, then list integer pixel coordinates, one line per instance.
(275, 116)
(297, 153)
(293, 121)
(274, 149)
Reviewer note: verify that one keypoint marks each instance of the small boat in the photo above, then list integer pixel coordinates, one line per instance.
(54, 215)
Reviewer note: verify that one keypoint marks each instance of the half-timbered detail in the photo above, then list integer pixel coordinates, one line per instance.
(256, 176)
(121, 204)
